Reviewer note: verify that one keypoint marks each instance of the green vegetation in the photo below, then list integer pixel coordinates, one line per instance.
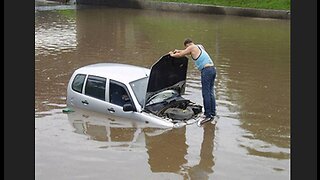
(259, 4)
(69, 13)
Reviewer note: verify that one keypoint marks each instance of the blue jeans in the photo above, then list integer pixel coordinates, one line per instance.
(208, 75)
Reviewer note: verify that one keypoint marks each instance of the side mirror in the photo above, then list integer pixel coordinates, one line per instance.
(128, 107)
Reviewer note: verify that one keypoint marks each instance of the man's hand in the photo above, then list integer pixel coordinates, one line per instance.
(180, 53)
(174, 53)
(171, 53)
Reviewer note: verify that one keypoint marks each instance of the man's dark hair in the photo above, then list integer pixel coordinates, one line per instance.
(187, 41)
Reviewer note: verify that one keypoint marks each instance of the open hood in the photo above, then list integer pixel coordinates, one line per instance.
(167, 73)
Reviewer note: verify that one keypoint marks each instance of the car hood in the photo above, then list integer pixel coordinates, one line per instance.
(167, 73)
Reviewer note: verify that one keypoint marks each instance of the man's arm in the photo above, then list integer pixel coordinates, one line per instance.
(176, 50)
(181, 53)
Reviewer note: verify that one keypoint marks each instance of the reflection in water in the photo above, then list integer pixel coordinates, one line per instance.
(166, 149)
(56, 33)
(55, 43)
(100, 127)
(205, 166)
(167, 153)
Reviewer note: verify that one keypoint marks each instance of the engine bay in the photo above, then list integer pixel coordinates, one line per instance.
(178, 109)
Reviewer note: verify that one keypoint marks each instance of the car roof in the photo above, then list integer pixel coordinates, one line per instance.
(120, 72)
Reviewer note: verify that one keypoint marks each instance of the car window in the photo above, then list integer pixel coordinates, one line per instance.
(77, 83)
(118, 94)
(139, 88)
(96, 87)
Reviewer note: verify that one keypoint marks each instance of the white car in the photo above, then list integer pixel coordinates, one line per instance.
(127, 91)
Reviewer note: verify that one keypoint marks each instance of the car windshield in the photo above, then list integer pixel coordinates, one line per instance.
(162, 96)
(139, 88)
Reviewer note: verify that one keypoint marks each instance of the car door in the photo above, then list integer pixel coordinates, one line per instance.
(94, 97)
(119, 96)
(75, 90)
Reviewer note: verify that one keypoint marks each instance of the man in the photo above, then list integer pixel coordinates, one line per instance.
(208, 74)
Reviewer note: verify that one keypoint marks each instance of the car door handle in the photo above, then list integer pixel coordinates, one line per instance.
(85, 102)
(111, 110)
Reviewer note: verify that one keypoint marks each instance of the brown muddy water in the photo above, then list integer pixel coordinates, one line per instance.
(250, 141)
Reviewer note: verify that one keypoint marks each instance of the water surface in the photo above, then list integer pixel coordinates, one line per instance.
(251, 139)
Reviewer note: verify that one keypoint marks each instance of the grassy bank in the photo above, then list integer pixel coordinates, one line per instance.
(259, 4)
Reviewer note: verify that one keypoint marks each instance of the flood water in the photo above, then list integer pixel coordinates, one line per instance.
(250, 141)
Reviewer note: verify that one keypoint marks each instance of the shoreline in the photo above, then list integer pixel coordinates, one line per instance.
(221, 10)
(186, 7)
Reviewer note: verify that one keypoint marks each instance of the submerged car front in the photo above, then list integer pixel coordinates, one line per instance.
(165, 87)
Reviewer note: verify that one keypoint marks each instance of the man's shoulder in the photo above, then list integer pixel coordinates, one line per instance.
(193, 46)
(200, 45)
